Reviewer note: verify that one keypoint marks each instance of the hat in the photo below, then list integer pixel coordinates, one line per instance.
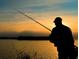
(58, 19)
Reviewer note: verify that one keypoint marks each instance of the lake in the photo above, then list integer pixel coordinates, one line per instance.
(36, 49)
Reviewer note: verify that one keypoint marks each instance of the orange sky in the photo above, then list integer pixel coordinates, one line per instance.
(20, 26)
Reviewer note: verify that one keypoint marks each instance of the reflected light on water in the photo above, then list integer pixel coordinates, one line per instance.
(43, 48)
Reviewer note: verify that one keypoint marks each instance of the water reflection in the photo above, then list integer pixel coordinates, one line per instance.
(9, 48)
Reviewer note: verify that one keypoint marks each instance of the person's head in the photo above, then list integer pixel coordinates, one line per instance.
(58, 21)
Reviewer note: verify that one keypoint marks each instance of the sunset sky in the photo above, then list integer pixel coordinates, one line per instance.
(44, 11)
(13, 24)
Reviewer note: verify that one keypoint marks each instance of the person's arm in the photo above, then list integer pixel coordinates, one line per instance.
(51, 37)
(71, 39)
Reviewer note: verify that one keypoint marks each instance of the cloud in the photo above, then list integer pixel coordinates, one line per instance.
(24, 33)
(68, 6)
(24, 4)
(6, 16)
(38, 7)
(11, 16)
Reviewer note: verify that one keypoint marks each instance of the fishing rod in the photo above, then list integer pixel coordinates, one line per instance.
(32, 19)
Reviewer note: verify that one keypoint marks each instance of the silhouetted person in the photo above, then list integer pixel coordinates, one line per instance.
(62, 38)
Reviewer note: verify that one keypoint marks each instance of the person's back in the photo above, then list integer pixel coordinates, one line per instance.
(63, 34)
(62, 38)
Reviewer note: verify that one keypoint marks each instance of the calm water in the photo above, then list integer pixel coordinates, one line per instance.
(44, 49)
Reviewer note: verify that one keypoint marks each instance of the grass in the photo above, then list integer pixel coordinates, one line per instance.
(34, 55)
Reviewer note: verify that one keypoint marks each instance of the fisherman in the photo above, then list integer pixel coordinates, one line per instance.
(62, 38)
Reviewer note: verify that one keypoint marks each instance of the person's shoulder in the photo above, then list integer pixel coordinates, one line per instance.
(54, 29)
(66, 27)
